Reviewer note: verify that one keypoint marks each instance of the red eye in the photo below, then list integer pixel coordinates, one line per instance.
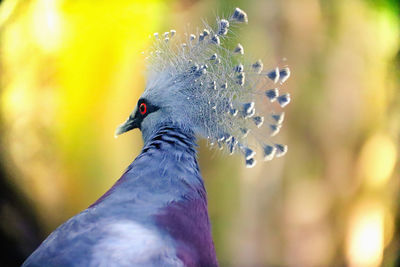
(143, 108)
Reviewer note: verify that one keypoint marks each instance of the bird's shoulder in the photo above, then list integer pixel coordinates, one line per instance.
(104, 243)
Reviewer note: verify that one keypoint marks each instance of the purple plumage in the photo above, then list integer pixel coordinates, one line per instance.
(188, 224)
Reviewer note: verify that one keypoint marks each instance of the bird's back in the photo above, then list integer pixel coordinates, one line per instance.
(155, 215)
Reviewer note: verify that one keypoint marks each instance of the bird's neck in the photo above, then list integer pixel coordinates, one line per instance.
(178, 146)
(171, 136)
(168, 169)
(185, 219)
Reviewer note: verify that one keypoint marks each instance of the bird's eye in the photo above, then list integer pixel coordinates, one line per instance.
(143, 108)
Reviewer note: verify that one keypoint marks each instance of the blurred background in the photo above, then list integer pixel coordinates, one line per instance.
(71, 71)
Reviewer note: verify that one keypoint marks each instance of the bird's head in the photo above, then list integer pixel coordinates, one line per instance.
(207, 88)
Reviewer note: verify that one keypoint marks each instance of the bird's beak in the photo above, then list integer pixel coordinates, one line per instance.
(131, 123)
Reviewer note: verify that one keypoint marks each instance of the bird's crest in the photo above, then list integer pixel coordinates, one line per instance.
(235, 104)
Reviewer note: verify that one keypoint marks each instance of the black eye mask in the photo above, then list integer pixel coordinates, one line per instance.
(134, 121)
(144, 108)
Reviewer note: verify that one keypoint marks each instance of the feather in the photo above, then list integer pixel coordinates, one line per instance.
(219, 81)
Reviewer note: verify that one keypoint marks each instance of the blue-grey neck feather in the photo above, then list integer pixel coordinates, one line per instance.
(161, 190)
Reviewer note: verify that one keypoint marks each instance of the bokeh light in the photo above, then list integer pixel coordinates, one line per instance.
(365, 238)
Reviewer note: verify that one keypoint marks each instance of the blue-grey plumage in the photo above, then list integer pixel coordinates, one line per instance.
(134, 223)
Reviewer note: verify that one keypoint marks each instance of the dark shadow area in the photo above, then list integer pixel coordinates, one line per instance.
(20, 231)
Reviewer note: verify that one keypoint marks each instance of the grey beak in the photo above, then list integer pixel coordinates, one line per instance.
(131, 123)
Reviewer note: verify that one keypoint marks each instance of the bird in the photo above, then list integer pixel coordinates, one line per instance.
(156, 214)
